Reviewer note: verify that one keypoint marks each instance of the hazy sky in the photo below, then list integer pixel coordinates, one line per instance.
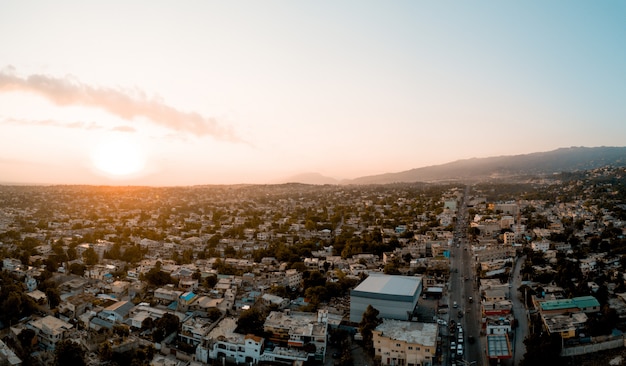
(208, 92)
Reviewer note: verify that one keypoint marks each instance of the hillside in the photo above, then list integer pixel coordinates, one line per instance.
(540, 163)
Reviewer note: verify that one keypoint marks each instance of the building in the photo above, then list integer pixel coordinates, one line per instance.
(293, 278)
(222, 343)
(7, 356)
(395, 297)
(116, 312)
(585, 304)
(298, 330)
(49, 331)
(398, 342)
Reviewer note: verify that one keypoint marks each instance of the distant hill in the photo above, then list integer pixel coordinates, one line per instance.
(477, 169)
(310, 178)
(540, 163)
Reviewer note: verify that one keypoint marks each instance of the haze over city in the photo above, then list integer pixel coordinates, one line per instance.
(252, 92)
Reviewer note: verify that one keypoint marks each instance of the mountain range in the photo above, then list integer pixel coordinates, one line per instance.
(498, 167)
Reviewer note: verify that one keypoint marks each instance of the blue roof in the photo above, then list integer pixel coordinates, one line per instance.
(173, 305)
(187, 296)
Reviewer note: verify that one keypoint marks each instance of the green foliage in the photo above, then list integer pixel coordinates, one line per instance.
(90, 257)
(158, 278)
(250, 322)
(369, 322)
(164, 326)
(142, 356)
(68, 352)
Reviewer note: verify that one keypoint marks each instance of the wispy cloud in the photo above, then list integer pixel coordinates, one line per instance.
(54, 123)
(68, 91)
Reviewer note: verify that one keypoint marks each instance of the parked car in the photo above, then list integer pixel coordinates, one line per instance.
(459, 350)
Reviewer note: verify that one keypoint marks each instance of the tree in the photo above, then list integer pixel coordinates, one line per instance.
(210, 281)
(68, 352)
(121, 330)
(166, 325)
(250, 321)
(26, 338)
(147, 324)
(54, 298)
(105, 351)
(214, 314)
(369, 322)
(90, 257)
(77, 269)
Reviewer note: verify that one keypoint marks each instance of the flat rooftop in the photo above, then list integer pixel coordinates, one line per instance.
(498, 346)
(410, 332)
(297, 323)
(380, 284)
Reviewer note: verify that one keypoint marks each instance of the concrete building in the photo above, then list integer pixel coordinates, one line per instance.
(395, 297)
(7, 356)
(399, 342)
(222, 343)
(298, 330)
(116, 312)
(49, 331)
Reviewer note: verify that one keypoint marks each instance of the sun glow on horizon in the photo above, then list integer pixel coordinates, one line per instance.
(118, 156)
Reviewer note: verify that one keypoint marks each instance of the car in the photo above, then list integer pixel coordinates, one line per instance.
(459, 350)
(455, 305)
(452, 346)
(460, 339)
(441, 322)
(460, 314)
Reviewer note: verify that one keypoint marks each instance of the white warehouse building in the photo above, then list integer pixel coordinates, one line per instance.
(395, 297)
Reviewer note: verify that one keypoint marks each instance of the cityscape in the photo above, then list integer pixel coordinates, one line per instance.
(498, 272)
(312, 183)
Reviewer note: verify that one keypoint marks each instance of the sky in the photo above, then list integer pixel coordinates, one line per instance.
(167, 93)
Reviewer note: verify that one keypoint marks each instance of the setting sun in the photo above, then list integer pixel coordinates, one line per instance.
(118, 156)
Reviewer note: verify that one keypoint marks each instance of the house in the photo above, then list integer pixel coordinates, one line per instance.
(223, 342)
(273, 300)
(299, 330)
(116, 312)
(49, 331)
(194, 329)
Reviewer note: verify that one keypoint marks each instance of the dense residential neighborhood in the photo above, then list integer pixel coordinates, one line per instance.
(528, 272)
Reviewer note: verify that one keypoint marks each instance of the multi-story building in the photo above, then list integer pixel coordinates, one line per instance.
(398, 342)
(223, 343)
(306, 331)
(293, 278)
(49, 331)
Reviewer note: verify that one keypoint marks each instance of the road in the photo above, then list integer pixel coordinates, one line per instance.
(520, 313)
(461, 286)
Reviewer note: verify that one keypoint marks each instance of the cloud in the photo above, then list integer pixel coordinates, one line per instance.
(67, 91)
(53, 123)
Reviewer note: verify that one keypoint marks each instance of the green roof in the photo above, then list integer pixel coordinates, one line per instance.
(557, 304)
(586, 302)
(577, 302)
